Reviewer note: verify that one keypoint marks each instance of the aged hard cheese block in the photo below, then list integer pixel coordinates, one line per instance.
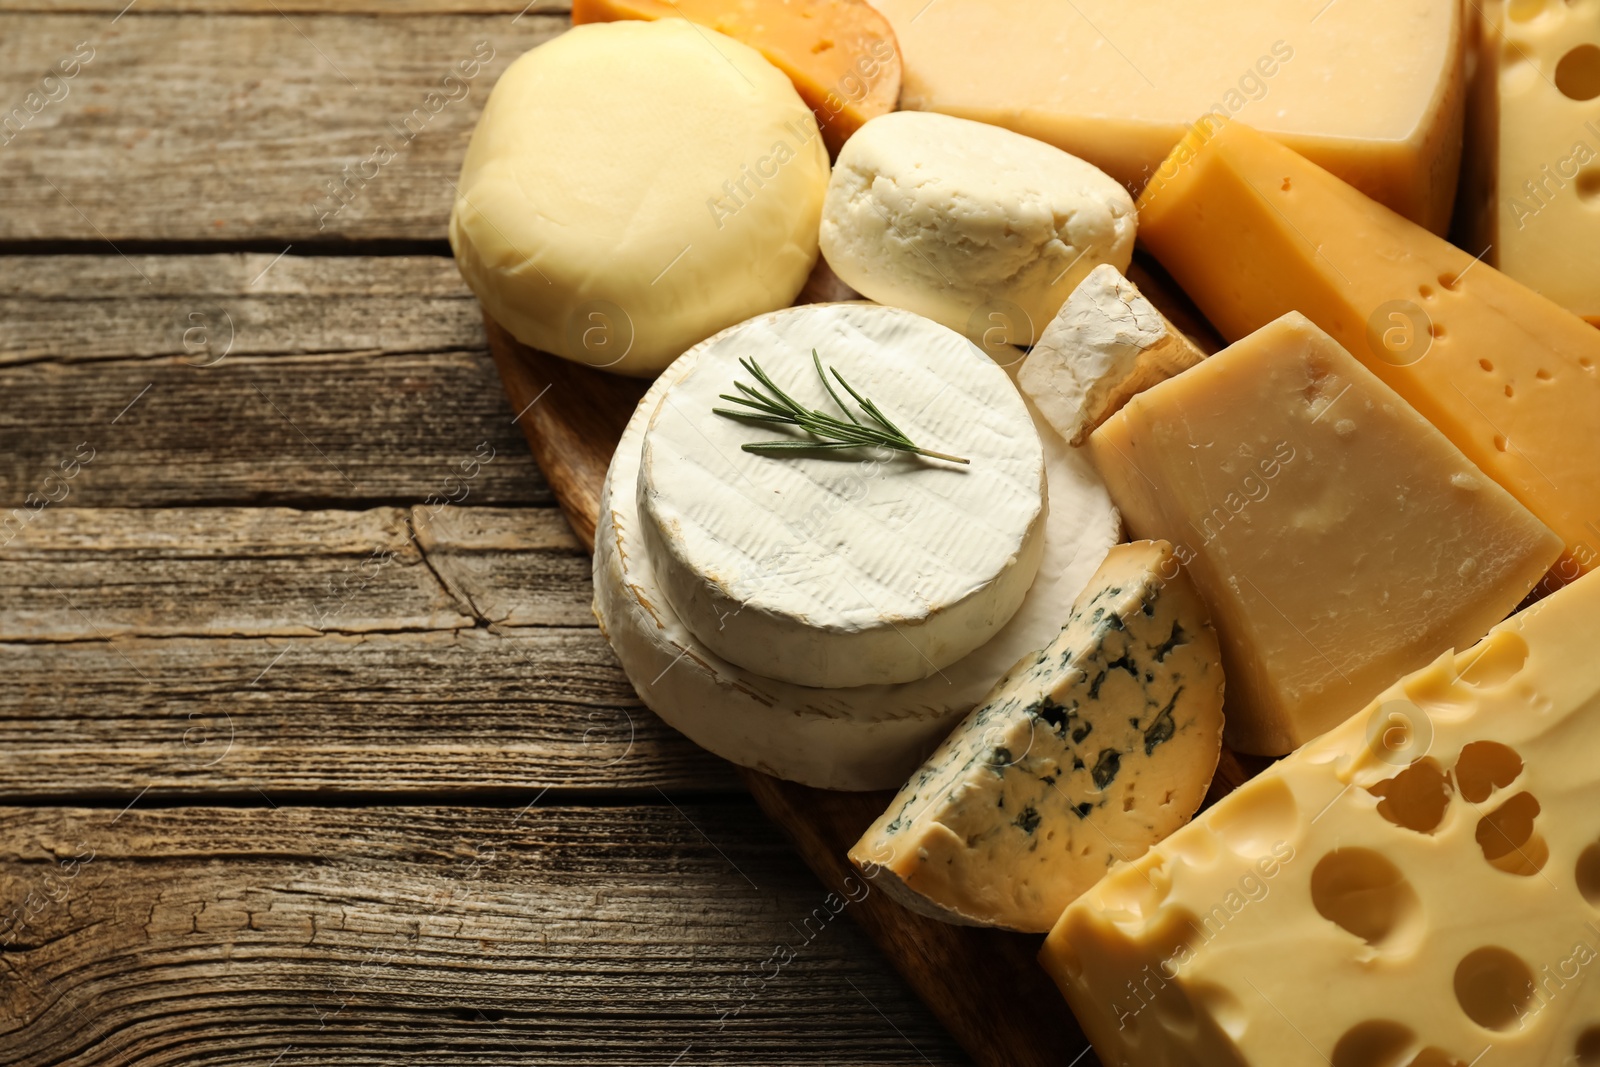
(1087, 753)
(1534, 173)
(1106, 344)
(867, 737)
(973, 226)
(1337, 537)
(1251, 231)
(632, 188)
(840, 54)
(1419, 888)
(1371, 89)
(863, 567)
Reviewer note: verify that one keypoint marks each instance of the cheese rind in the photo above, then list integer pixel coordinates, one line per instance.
(1337, 537)
(1084, 755)
(978, 228)
(1106, 344)
(845, 568)
(840, 54)
(1370, 89)
(1419, 884)
(1252, 231)
(633, 187)
(867, 737)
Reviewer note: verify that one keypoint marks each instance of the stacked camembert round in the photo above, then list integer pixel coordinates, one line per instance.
(828, 616)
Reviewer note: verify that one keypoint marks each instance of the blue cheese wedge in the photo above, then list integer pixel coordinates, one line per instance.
(1088, 752)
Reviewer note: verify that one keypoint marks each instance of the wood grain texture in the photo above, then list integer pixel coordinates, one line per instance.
(247, 130)
(253, 651)
(250, 379)
(674, 932)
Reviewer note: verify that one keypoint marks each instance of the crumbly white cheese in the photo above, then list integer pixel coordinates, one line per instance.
(634, 187)
(854, 567)
(982, 229)
(1106, 344)
(1086, 754)
(866, 737)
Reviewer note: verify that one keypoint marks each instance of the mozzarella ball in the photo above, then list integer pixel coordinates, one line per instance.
(634, 187)
(974, 226)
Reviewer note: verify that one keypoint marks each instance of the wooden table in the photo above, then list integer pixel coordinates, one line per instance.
(310, 749)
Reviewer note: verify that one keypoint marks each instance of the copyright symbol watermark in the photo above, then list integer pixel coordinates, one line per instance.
(998, 323)
(1399, 733)
(207, 337)
(1399, 332)
(599, 333)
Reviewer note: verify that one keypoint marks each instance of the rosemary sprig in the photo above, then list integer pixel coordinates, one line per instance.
(779, 408)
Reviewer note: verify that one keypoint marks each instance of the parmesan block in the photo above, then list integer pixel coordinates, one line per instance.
(1418, 888)
(1373, 90)
(973, 226)
(634, 187)
(855, 567)
(840, 54)
(1086, 754)
(1106, 344)
(1251, 231)
(866, 737)
(1338, 539)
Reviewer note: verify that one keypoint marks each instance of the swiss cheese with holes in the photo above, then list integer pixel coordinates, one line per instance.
(1418, 886)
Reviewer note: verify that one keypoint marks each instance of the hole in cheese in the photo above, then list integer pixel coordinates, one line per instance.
(1507, 838)
(1589, 185)
(1260, 814)
(1493, 987)
(1578, 73)
(1374, 1043)
(1587, 1048)
(1416, 798)
(1362, 892)
(1589, 876)
(1485, 766)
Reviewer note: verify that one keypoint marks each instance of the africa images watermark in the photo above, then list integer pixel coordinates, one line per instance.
(355, 177)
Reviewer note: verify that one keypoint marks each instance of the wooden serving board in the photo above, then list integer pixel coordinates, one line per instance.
(985, 985)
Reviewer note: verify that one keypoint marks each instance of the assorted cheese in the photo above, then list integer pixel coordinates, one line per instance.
(1252, 231)
(864, 737)
(634, 187)
(862, 569)
(1370, 89)
(840, 54)
(1419, 887)
(1534, 176)
(1339, 539)
(1084, 755)
(839, 537)
(1106, 344)
(973, 226)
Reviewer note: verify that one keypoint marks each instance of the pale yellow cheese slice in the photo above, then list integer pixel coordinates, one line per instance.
(1338, 539)
(1371, 89)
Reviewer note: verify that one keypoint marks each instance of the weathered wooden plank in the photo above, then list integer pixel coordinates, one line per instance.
(76, 574)
(394, 650)
(303, 127)
(668, 933)
(460, 712)
(204, 309)
(389, 8)
(249, 378)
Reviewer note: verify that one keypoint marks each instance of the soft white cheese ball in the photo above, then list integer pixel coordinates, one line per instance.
(634, 187)
(976, 227)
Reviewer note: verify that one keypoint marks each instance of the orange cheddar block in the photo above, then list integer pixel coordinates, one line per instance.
(840, 54)
(1252, 231)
